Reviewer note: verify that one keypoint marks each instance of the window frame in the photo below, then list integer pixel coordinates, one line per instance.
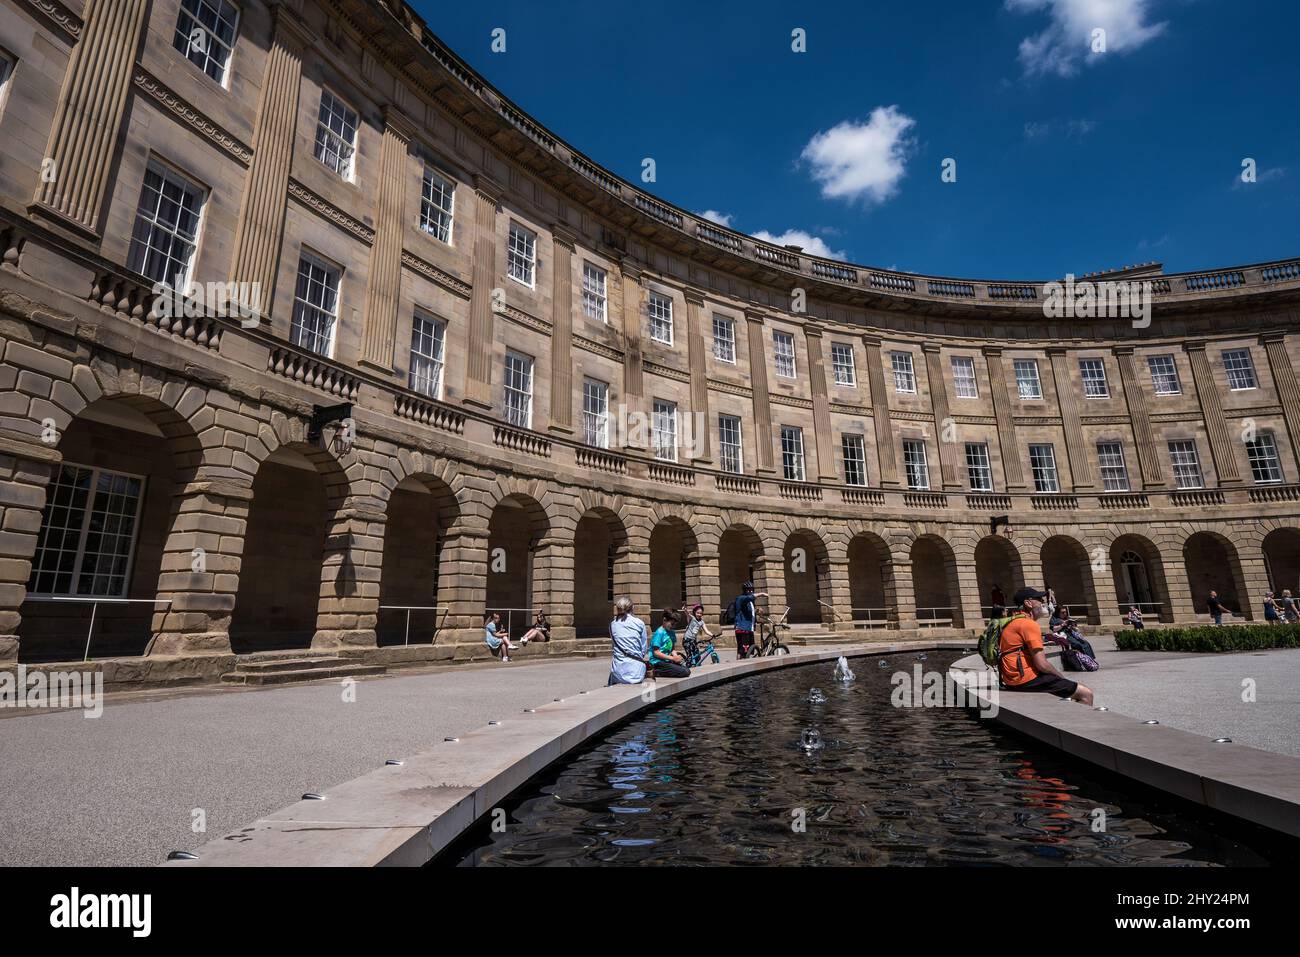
(1042, 472)
(1172, 373)
(310, 258)
(1254, 459)
(859, 459)
(527, 240)
(729, 340)
(510, 412)
(957, 380)
(434, 175)
(196, 23)
(738, 445)
(1099, 365)
(908, 374)
(659, 313)
(599, 417)
(923, 463)
(439, 337)
(780, 339)
(839, 351)
(791, 456)
(1122, 466)
(1037, 380)
(663, 411)
(168, 175)
(595, 303)
(1249, 369)
(984, 469)
(1175, 465)
(345, 110)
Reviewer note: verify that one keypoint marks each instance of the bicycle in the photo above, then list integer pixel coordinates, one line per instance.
(768, 642)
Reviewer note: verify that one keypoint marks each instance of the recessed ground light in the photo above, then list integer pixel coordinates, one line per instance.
(182, 856)
(1223, 740)
(494, 721)
(394, 762)
(1150, 721)
(557, 699)
(530, 711)
(1103, 708)
(313, 796)
(449, 738)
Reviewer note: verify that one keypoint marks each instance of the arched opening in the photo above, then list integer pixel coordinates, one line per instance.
(806, 564)
(934, 582)
(1212, 565)
(517, 524)
(997, 567)
(1139, 577)
(674, 563)
(280, 572)
(108, 510)
(599, 552)
(1067, 570)
(1282, 560)
(420, 511)
(871, 586)
(741, 558)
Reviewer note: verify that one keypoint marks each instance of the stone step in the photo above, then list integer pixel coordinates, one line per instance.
(299, 662)
(280, 669)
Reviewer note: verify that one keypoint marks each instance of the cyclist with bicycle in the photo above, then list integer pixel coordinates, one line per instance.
(695, 627)
(746, 614)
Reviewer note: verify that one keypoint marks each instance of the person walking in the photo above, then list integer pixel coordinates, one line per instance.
(1270, 609)
(1135, 617)
(631, 643)
(743, 606)
(1289, 613)
(1215, 606)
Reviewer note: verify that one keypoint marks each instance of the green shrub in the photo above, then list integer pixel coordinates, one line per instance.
(1209, 638)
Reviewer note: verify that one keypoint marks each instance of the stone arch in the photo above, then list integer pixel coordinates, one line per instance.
(600, 558)
(997, 566)
(1210, 562)
(1281, 551)
(1067, 568)
(1139, 576)
(107, 512)
(872, 590)
(674, 563)
(518, 528)
(741, 557)
(935, 583)
(805, 565)
(420, 511)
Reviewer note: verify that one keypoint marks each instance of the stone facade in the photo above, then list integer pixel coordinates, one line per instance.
(252, 535)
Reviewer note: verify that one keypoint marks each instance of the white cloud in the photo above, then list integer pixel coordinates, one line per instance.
(1067, 39)
(713, 216)
(812, 245)
(864, 161)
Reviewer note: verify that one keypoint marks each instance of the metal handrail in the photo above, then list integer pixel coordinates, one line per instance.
(509, 615)
(94, 608)
(410, 608)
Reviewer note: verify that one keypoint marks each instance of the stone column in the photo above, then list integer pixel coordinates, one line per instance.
(553, 582)
(700, 427)
(1216, 425)
(840, 596)
(562, 331)
(1288, 391)
(702, 583)
(1066, 400)
(210, 514)
(462, 580)
(478, 359)
(762, 400)
(89, 115)
(1143, 438)
(26, 468)
(885, 451)
(259, 234)
(384, 280)
(1012, 470)
(821, 402)
(350, 572)
(632, 576)
(968, 591)
(904, 596)
(949, 464)
(636, 416)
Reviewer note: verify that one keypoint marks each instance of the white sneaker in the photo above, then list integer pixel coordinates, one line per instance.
(505, 658)
(512, 647)
(523, 641)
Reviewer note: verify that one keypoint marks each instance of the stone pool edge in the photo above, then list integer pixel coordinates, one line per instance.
(406, 815)
(1261, 787)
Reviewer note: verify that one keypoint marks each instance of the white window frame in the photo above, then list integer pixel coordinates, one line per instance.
(916, 464)
(1113, 467)
(83, 535)
(428, 354)
(857, 443)
(663, 430)
(335, 149)
(183, 39)
(793, 466)
(731, 454)
(1240, 369)
(1181, 459)
(724, 339)
(1264, 460)
(783, 354)
(959, 381)
(595, 413)
(1029, 385)
(1166, 376)
(595, 292)
(659, 312)
(437, 205)
(517, 383)
(1092, 372)
(300, 333)
(843, 365)
(904, 372)
(1042, 463)
(139, 253)
(979, 467)
(521, 255)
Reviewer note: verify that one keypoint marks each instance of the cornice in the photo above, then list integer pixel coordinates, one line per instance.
(183, 112)
(330, 213)
(440, 277)
(56, 14)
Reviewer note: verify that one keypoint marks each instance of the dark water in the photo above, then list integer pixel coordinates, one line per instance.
(721, 777)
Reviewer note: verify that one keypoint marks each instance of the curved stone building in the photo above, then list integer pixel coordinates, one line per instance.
(437, 362)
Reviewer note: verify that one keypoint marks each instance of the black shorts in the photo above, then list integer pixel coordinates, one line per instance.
(1052, 684)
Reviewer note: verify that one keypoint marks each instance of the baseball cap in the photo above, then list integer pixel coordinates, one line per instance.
(1025, 594)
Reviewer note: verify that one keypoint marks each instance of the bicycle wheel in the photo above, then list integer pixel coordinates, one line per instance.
(780, 650)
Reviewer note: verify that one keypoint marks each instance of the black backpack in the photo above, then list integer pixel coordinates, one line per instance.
(728, 616)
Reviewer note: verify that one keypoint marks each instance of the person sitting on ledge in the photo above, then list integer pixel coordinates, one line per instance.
(631, 646)
(1135, 617)
(1023, 666)
(666, 662)
(497, 637)
(541, 629)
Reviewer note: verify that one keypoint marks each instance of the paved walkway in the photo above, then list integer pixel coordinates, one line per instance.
(122, 789)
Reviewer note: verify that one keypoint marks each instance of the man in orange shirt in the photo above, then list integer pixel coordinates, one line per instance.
(1023, 666)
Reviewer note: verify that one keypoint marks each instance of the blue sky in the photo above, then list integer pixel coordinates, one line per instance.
(1066, 160)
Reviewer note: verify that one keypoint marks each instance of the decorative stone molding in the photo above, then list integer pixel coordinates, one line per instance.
(440, 277)
(183, 112)
(330, 213)
(58, 16)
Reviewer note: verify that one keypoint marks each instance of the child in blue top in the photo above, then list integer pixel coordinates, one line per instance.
(667, 663)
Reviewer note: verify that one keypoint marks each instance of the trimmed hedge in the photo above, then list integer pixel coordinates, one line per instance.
(1209, 638)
